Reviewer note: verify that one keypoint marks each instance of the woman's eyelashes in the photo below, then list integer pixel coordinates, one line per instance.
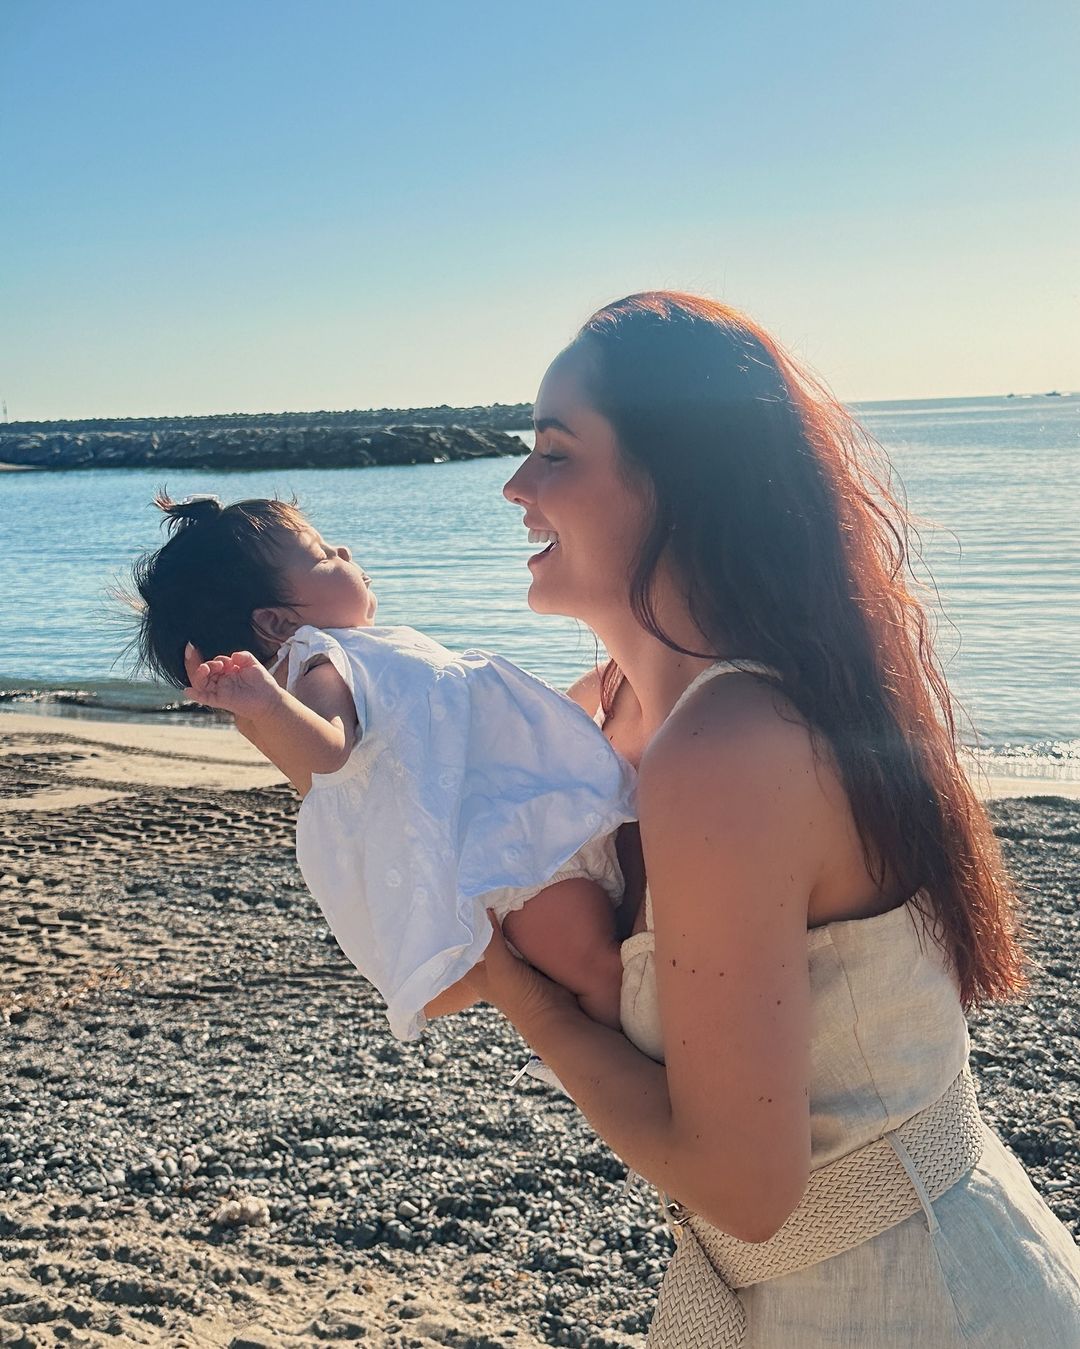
(550, 456)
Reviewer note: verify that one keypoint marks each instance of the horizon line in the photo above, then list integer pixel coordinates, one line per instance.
(453, 407)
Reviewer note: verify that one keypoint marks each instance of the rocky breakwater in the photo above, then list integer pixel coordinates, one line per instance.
(253, 447)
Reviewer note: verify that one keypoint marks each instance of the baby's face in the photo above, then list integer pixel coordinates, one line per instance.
(326, 587)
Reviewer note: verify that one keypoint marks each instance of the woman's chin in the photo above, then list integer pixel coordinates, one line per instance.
(541, 603)
(538, 602)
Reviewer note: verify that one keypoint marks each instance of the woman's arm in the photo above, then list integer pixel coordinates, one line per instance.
(728, 796)
(311, 731)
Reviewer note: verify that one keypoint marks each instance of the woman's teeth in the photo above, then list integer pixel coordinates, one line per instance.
(543, 536)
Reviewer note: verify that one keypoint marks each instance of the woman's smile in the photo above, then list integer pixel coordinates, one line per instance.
(538, 534)
(577, 503)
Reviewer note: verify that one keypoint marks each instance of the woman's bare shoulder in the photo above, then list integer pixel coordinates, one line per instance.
(735, 715)
(586, 690)
(736, 741)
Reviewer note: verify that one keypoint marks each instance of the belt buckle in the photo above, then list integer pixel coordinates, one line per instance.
(676, 1215)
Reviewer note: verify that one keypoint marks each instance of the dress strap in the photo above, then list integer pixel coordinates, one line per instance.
(725, 667)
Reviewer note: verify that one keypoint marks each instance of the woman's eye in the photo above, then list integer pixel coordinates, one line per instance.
(549, 457)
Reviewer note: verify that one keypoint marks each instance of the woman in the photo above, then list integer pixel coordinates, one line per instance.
(824, 894)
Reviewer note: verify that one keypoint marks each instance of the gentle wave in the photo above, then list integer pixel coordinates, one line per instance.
(997, 480)
(117, 700)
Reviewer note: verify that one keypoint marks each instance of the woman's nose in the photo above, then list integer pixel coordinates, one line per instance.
(344, 554)
(514, 490)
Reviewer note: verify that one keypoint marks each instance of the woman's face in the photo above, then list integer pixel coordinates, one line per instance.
(576, 494)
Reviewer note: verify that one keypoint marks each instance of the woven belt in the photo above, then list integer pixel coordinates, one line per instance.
(845, 1203)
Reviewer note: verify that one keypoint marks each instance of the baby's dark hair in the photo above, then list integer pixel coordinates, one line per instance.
(219, 565)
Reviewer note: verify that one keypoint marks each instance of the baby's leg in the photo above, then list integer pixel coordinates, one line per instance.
(567, 931)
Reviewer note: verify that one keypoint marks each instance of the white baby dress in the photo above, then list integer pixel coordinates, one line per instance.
(472, 785)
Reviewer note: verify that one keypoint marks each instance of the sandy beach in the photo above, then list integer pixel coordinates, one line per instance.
(208, 1136)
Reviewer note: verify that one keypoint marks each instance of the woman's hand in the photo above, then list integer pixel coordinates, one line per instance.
(239, 683)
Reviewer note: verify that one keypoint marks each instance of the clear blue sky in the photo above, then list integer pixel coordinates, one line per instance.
(221, 205)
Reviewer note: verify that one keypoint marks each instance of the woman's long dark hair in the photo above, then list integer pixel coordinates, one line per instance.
(794, 552)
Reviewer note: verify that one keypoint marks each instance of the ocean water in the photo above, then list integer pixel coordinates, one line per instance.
(995, 483)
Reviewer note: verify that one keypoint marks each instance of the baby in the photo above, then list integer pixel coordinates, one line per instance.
(435, 786)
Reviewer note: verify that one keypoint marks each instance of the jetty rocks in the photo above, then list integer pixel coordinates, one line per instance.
(312, 447)
(251, 446)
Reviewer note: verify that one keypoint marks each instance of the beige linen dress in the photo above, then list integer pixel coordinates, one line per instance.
(987, 1264)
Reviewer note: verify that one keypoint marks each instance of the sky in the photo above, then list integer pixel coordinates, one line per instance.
(264, 205)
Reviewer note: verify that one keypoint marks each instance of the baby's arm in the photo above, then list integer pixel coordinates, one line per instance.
(311, 731)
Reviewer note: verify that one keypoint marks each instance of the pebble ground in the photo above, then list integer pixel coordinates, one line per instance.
(200, 1103)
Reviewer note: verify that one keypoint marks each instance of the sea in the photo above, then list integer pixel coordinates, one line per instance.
(993, 482)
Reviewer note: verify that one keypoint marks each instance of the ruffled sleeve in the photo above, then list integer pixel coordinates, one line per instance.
(304, 647)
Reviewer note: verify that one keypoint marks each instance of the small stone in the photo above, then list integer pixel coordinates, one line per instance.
(246, 1212)
(254, 1337)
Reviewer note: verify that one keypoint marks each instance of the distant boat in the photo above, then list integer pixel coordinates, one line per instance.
(1010, 395)
(1052, 394)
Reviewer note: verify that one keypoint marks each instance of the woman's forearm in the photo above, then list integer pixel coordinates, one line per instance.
(620, 1091)
(705, 1155)
(624, 1096)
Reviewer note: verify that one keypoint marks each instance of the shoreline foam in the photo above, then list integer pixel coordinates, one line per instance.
(211, 739)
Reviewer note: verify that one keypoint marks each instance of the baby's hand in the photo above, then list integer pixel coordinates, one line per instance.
(238, 683)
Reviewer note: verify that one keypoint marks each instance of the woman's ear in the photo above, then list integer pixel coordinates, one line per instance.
(275, 623)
